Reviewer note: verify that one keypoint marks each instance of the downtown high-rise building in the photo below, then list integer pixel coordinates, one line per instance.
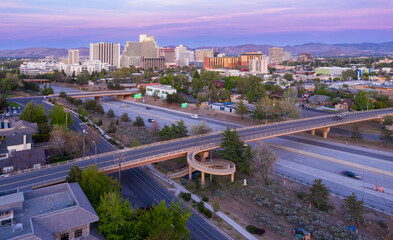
(106, 53)
(73, 56)
(276, 55)
(287, 56)
(183, 56)
(146, 48)
(258, 65)
(200, 54)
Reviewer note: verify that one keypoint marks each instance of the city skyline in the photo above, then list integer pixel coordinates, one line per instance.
(27, 23)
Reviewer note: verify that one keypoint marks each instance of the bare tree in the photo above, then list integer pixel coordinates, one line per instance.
(263, 160)
(200, 128)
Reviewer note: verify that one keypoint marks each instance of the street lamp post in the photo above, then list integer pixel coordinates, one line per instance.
(95, 152)
(84, 147)
(211, 163)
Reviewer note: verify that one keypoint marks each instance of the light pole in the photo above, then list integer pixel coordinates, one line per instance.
(95, 152)
(211, 163)
(83, 137)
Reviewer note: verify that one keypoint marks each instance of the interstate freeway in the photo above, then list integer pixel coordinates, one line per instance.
(161, 151)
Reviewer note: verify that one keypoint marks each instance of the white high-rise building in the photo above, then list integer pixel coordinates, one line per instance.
(276, 55)
(106, 53)
(183, 56)
(146, 47)
(73, 56)
(258, 66)
(287, 56)
(178, 50)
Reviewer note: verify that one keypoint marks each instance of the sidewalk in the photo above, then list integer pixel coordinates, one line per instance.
(178, 188)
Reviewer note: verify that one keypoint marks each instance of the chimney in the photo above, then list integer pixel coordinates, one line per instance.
(24, 142)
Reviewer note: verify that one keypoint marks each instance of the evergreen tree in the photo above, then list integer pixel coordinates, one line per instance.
(110, 114)
(233, 146)
(125, 118)
(355, 208)
(139, 122)
(319, 194)
(74, 174)
(241, 109)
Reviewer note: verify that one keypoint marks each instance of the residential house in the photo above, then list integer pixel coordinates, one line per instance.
(23, 160)
(161, 90)
(320, 100)
(345, 104)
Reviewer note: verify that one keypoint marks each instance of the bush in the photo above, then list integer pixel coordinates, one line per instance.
(185, 196)
(205, 199)
(382, 224)
(41, 137)
(99, 122)
(219, 193)
(255, 230)
(204, 210)
(301, 195)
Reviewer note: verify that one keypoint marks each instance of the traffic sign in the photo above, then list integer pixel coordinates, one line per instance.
(183, 105)
(138, 95)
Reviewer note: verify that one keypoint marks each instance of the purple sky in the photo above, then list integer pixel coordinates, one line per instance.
(71, 23)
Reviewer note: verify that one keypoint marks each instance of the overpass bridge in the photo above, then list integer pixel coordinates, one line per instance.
(188, 146)
(121, 95)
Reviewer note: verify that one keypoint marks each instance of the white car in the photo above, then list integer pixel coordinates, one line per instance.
(194, 116)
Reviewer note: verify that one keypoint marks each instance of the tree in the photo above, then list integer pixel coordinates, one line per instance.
(250, 96)
(139, 122)
(112, 128)
(348, 74)
(241, 109)
(74, 174)
(82, 111)
(263, 159)
(110, 114)
(197, 84)
(386, 136)
(288, 76)
(47, 90)
(59, 117)
(65, 141)
(95, 183)
(135, 143)
(37, 114)
(200, 128)
(356, 134)
(363, 102)
(3, 103)
(90, 105)
(115, 216)
(63, 94)
(287, 109)
(319, 193)
(388, 120)
(125, 118)
(177, 130)
(216, 204)
(10, 82)
(100, 109)
(233, 147)
(355, 208)
(259, 112)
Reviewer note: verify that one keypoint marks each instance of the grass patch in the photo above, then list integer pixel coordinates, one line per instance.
(14, 104)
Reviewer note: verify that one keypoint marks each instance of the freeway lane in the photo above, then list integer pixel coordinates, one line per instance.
(131, 154)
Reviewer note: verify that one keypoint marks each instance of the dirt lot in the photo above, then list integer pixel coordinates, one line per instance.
(20, 93)
(279, 208)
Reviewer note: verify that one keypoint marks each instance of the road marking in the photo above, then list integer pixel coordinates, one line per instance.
(335, 160)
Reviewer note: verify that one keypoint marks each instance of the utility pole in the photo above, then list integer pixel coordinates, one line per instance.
(66, 112)
(95, 152)
(84, 147)
(120, 158)
(211, 163)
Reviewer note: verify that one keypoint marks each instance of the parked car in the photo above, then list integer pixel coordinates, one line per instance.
(351, 174)
(194, 116)
(301, 233)
(15, 112)
(148, 108)
(151, 120)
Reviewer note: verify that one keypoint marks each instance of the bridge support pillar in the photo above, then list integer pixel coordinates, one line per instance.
(128, 97)
(203, 155)
(189, 172)
(232, 177)
(313, 132)
(325, 131)
(203, 179)
(379, 120)
(120, 97)
(97, 99)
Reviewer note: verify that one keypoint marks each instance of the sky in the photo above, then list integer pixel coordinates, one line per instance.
(194, 23)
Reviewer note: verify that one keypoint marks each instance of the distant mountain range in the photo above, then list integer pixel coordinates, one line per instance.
(315, 49)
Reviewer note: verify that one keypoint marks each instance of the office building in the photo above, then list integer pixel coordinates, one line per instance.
(146, 47)
(222, 62)
(106, 53)
(276, 55)
(179, 50)
(248, 56)
(73, 56)
(56, 212)
(331, 71)
(154, 63)
(168, 54)
(258, 66)
(200, 54)
(287, 56)
(131, 61)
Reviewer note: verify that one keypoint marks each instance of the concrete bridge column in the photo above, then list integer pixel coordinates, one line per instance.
(313, 132)
(97, 99)
(202, 178)
(203, 155)
(379, 120)
(120, 97)
(128, 97)
(232, 177)
(325, 131)
(189, 172)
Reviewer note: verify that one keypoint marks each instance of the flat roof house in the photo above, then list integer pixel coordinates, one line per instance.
(161, 90)
(59, 212)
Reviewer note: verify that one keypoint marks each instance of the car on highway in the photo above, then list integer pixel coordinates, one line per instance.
(338, 117)
(148, 108)
(301, 233)
(151, 120)
(351, 174)
(194, 116)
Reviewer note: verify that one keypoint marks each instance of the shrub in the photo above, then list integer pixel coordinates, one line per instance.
(204, 210)
(382, 224)
(205, 199)
(255, 230)
(219, 193)
(185, 196)
(301, 195)
(99, 122)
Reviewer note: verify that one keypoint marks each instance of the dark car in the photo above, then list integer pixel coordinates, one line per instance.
(350, 174)
(301, 233)
(151, 120)
(148, 108)
(338, 117)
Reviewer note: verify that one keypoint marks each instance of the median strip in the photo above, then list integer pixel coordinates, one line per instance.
(335, 160)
